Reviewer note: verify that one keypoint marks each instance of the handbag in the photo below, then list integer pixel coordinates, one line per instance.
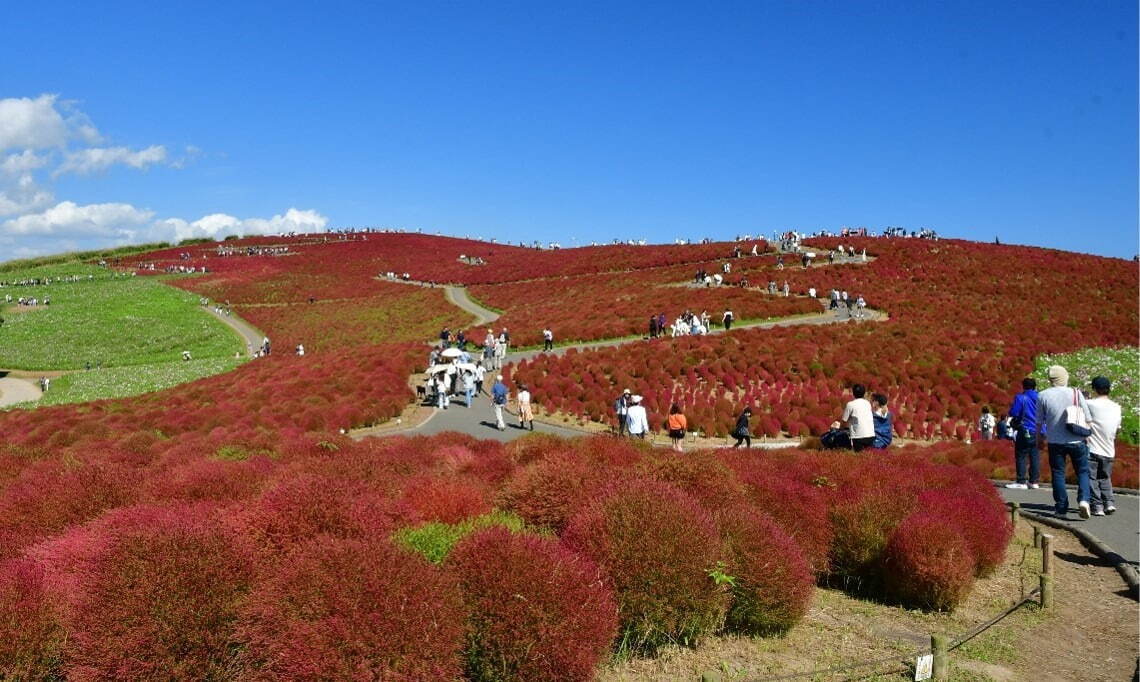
(1075, 420)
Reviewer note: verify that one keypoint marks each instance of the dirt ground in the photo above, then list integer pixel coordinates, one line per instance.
(1091, 635)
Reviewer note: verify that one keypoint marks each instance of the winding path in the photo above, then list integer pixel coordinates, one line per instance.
(13, 390)
(245, 331)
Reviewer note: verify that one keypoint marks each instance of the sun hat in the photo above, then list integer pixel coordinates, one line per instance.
(1058, 375)
(626, 391)
(499, 377)
(636, 399)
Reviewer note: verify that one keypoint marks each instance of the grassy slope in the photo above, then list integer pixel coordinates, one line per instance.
(112, 321)
(120, 382)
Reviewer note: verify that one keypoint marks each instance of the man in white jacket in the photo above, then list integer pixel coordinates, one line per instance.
(1102, 447)
(637, 418)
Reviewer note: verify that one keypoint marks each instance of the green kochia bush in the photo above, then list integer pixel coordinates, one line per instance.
(659, 548)
(536, 610)
(434, 540)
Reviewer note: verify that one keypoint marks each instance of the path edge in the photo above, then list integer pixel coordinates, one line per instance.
(1096, 546)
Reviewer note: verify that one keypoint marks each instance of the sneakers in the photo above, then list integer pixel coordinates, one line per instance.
(1110, 509)
(1016, 486)
(1083, 505)
(1034, 486)
(1098, 512)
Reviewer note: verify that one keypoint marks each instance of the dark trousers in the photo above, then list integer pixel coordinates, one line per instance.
(858, 444)
(746, 440)
(1025, 457)
(547, 344)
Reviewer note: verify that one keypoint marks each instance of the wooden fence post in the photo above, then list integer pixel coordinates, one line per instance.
(1047, 554)
(940, 648)
(1037, 536)
(1014, 508)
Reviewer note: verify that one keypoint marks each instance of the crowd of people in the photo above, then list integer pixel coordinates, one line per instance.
(1072, 428)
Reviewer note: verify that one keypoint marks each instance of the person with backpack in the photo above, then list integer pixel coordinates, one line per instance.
(740, 432)
(986, 424)
(499, 400)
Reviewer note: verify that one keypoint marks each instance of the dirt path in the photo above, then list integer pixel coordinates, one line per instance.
(13, 390)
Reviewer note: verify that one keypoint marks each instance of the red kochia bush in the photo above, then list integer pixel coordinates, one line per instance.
(338, 608)
(773, 581)
(30, 634)
(447, 500)
(928, 563)
(708, 481)
(658, 547)
(863, 522)
(547, 491)
(981, 519)
(535, 609)
(160, 600)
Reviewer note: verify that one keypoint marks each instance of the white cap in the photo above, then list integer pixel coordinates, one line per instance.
(499, 377)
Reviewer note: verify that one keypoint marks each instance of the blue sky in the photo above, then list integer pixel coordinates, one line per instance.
(571, 122)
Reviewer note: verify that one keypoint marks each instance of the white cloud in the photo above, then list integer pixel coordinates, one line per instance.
(107, 221)
(69, 226)
(23, 196)
(18, 164)
(27, 123)
(219, 225)
(95, 159)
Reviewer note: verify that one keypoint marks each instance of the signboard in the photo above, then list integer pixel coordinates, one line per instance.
(923, 667)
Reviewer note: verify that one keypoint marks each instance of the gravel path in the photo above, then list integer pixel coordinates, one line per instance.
(14, 391)
(248, 333)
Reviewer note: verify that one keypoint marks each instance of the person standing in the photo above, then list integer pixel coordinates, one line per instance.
(653, 326)
(547, 339)
(677, 425)
(1063, 443)
(740, 432)
(1102, 447)
(480, 374)
(500, 352)
(859, 418)
(1023, 421)
(660, 324)
(637, 418)
(442, 386)
(727, 319)
(986, 424)
(499, 400)
(469, 387)
(526, 414)
(621, 411)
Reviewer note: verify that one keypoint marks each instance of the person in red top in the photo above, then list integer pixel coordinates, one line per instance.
(677, 425)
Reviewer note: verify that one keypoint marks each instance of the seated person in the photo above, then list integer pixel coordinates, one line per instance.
(883, 425)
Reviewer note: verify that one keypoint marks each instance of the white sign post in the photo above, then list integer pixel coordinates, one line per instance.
(924, 667)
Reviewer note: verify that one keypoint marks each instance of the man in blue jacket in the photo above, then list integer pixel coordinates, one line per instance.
(1023, 419)
(499, 400)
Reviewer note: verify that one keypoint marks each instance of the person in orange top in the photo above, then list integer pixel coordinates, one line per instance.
(677, 425)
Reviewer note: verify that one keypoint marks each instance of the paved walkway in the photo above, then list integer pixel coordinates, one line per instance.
(458, 296)
(1121, 531)
(246, 331)
(13, 390)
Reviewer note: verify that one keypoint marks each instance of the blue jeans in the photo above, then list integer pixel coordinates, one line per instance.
(1025, 456)
(1079, 453)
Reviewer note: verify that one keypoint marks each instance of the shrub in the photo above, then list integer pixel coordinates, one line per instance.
(434, 540)
(447, 500)
(981, 519)
(161, 599)
(772, 581)
(535, 609)
(863, 522)
(658, 546)
(547, 491)
(707, 480)
(928, 563)
(339, 608)
(31, 637)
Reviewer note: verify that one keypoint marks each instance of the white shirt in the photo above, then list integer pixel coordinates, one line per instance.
(638, 420)
(480, 372)
(859, 417)
(1105, 422)
(524, 398)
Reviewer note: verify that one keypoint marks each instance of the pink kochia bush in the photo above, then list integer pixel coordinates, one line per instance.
(928, 563)
(31, 636)
(336, 608)
(535, 609)
(659, 548)
(772, 581)
(160, 598)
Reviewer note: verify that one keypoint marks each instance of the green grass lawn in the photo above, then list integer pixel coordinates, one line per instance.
(1119, 365)
(105, 319)
(121, 382)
